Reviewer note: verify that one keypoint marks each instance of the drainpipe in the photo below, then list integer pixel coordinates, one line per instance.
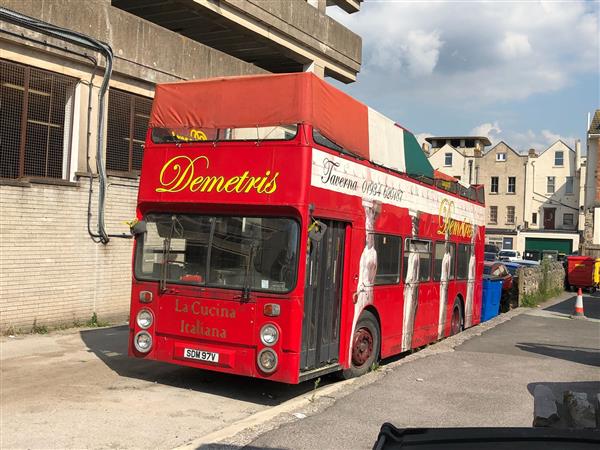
(82, 40)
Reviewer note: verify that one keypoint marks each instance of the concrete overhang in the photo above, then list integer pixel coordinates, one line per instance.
(278, 36)
(350, 6)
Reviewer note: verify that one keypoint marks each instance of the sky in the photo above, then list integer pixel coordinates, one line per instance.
(526, 73)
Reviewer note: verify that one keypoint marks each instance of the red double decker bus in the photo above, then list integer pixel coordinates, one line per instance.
(287, 230)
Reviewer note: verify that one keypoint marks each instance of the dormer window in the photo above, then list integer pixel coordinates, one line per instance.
(501, 157)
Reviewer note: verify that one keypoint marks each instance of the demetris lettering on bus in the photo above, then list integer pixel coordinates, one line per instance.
(448, 225)
(182, 173)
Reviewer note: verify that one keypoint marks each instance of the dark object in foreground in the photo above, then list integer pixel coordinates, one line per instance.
(392, 438)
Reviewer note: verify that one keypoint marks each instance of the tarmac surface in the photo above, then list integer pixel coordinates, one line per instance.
(487, 381)
(78, 389)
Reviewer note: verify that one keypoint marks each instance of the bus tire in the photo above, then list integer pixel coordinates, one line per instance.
(365, 346)
(457, 320)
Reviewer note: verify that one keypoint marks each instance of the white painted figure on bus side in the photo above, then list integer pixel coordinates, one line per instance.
(411, 288)
(471, 282)
(444, 277)
(367, 267)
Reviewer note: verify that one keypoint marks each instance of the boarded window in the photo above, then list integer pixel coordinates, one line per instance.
(128, 116)
(36, 111)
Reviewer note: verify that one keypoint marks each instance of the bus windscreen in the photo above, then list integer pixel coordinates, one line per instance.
(257, 253)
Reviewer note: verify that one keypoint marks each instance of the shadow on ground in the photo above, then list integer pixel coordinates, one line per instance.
(591, 306)
(236, 447)
(581, 355)
(110, 346)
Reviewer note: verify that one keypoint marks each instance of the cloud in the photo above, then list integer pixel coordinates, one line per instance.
(480, 52)
(487, 130)
(421, 138)
(521, 141)
(514, 45)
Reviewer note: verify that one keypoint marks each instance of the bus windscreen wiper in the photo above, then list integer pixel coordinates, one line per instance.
(167, 252)
(246, 288)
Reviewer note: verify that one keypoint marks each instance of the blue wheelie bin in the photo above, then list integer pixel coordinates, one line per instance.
(492, 292)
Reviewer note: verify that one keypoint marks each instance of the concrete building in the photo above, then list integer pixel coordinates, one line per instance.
(591, 207)
(457, 155)
(51, 269)
(502, 171)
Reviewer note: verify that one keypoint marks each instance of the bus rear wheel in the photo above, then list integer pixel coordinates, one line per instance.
(365, 346)
(457, 322)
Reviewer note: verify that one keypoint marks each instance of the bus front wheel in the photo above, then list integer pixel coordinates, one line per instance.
(457, 323)
(365, 346)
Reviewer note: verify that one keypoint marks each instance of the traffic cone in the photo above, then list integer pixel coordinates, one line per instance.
(578, 314)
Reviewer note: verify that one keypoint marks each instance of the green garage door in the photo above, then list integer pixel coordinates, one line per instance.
(561, 245)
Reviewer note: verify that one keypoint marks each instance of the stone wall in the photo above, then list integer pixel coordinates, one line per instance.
(532, 280)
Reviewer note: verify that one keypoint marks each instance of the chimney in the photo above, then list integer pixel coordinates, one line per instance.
(577, 154)
(425, 147)
(532, 153)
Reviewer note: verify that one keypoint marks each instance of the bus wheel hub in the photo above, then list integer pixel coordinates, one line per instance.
(363, 347)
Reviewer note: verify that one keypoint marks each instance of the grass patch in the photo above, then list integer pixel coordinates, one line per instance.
(38, 329)
(532, 300)
(95, 322)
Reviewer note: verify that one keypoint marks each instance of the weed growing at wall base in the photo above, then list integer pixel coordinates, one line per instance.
(546, 290)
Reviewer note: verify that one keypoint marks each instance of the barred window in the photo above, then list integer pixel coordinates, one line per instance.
(36, 112)
(128, 116)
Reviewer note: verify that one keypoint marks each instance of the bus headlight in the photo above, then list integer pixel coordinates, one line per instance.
(269, 335)
(143, 342)
(267, 360)
(144, 319)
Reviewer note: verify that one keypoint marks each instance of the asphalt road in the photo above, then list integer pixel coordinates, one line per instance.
(78, 389)
(486, 381)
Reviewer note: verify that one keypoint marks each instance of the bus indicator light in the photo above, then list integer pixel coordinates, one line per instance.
(145, 296)
(271, 310)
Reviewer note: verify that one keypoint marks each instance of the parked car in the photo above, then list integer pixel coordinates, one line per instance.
(512, 268)
(491, 248)
(490, 256)
(509, 255)
(498, 270)
(551, 255)
(532, 255)
(526, 262)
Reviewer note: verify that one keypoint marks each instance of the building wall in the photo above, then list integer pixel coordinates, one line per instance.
(538, 198)
(514, 166)
(51, 272)
(459, 163)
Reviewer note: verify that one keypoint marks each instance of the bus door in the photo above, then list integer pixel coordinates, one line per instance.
(323, 297)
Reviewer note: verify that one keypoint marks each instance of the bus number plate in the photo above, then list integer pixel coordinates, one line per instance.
(201, 355)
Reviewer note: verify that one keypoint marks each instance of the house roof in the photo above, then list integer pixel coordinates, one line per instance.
(483, 139)
(502, 143)
(595, 123)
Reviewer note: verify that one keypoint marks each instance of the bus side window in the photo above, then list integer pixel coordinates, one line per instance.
(388, 258)
(441, 248)
(423, 250)
(462, 261)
